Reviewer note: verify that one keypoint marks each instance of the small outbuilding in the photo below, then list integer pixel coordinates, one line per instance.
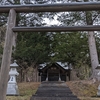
(55, 72)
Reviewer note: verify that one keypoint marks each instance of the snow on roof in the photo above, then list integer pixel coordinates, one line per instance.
(42, 65)
(64, 65)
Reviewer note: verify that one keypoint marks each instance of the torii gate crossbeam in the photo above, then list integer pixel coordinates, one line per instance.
(57, 28)
(82, 6)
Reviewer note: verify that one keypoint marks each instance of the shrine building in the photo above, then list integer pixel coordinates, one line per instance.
(55, 72)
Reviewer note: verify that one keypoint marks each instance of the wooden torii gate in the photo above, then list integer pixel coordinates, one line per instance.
(11, 28)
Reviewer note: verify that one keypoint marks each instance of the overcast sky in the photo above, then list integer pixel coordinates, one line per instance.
(52, 22)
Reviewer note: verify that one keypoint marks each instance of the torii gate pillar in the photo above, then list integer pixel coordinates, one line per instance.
(5, 66)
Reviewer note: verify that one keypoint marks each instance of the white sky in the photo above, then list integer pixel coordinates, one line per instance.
(52, 22)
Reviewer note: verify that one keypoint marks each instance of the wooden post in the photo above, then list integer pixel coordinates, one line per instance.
(67, 77)
(47, 76)
(93, 53)
(59, 76)
(5, 66)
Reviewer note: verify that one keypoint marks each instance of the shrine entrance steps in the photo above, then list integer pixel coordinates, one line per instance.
(53, 91)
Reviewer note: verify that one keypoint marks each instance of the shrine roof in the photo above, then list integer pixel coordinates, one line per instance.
(64, 65)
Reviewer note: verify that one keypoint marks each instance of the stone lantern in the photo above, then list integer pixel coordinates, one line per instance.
(98, 68)
(12, 88)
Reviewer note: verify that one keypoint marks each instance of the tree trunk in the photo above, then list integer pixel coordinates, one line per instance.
(35, 75)
(21, 75)
(93, 53)
(25, 75)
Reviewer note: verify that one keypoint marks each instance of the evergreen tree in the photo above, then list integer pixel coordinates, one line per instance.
(70, 47)
(32, 48)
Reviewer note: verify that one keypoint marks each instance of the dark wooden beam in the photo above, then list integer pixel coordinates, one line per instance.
(6, 59)
(57, 28)
(82, 6)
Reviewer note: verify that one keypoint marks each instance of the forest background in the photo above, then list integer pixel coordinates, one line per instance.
(33, 48)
